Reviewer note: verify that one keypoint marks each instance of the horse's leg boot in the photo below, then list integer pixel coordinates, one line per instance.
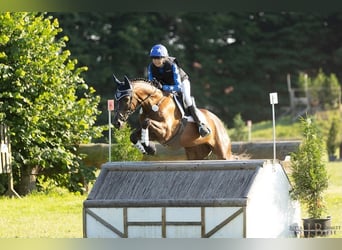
(150, 149)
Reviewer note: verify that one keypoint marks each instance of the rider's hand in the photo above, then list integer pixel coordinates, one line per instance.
(157, 83)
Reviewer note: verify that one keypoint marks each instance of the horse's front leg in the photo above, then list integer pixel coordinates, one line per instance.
(158, 130)
(135, 139)
(141, 145)
(149, 146)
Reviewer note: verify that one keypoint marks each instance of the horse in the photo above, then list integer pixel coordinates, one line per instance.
(162, 120)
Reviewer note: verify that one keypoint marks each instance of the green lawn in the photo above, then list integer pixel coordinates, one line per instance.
(334, 196)
(59, 215)
(42, 216)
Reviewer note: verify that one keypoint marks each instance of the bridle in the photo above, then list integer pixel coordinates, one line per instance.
(129, 92)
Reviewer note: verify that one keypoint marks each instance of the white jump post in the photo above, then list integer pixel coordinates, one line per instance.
(274, 100)
(249, 126)
(110, 109)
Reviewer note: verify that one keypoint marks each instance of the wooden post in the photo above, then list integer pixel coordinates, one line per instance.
(6, 159)
(291, 92)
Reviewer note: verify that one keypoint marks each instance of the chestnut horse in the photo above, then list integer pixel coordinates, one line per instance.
(162, 120)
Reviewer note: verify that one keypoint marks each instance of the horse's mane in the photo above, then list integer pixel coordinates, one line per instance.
(152, 83)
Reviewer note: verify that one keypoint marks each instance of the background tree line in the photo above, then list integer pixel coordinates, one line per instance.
(234, 59)
(56, 73)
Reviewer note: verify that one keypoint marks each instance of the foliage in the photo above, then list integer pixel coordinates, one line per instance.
(333, 140)
(123, 150)
(240, 131)
(324, 90)
(44, 100)
(76, 180)
(309, 173)
(234, 59)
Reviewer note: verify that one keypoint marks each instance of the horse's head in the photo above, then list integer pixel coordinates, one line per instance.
(129, 99)
(123, 98)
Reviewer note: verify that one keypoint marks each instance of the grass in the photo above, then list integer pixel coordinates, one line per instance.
(59, 214)
(54, 215)
(334, 196)
(287, 128)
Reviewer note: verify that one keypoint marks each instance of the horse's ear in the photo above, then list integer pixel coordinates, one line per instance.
(127, 82)
(116, 80)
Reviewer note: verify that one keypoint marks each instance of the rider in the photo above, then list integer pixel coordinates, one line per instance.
(165, 69)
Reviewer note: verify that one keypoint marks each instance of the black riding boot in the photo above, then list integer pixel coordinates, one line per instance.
(202, 128)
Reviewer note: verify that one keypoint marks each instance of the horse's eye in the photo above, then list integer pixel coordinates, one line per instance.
(125, 99)
(123, 102)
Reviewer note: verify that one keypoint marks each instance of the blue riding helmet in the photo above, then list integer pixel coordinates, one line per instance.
(159, 50)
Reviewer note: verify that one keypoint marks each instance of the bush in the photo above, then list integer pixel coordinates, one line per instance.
(332, 140)
(309, 174)
(240, 130)
(123, 149)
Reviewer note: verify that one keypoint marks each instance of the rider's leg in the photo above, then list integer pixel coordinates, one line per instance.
(189, 103)
(186, 91)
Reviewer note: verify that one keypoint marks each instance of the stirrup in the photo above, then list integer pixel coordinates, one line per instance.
(203, 130)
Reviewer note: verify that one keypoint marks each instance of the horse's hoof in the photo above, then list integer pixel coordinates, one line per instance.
(150, 149)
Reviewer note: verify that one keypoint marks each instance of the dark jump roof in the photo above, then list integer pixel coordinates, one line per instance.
(179, 183)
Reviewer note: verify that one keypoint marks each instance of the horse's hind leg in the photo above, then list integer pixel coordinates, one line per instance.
(223, 150)
(199, 152)
(223, 153)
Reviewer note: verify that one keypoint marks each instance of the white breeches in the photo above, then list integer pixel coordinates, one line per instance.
(186, 93)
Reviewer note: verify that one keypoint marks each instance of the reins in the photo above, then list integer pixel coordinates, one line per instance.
(140, 103)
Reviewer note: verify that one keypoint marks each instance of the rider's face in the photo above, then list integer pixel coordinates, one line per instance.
(158, 61)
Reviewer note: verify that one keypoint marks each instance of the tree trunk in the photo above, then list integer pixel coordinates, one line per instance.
(28, 179)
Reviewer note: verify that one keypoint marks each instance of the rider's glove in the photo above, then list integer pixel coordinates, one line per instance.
(157, 83)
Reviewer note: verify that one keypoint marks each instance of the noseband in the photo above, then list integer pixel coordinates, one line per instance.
(129, 92)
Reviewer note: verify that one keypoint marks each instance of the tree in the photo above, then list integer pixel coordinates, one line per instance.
(44, 100)
(112, 43)
(240, 130)
(310, 178)
(233, 59)
(333, 139)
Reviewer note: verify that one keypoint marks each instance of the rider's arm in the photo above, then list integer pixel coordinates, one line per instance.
(177, 81)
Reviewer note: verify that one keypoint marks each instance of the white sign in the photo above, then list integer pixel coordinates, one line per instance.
(274, 98)
(4, 148)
